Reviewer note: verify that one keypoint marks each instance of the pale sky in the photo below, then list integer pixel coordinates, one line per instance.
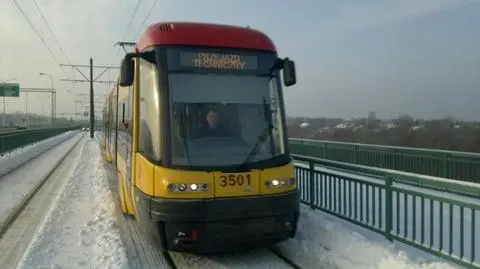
(420, 57)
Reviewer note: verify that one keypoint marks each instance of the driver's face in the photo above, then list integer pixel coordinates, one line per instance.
(212, 119)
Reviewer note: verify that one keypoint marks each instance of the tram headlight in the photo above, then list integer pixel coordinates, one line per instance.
(187, 187)
(279, 183)
(182, 187)
(193, 187)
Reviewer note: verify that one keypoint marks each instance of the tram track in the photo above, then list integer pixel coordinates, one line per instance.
(284, 258)
(18, 228)
(170, 261)
(260, 258)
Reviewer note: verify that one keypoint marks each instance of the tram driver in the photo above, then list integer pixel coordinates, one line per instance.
(213, 128)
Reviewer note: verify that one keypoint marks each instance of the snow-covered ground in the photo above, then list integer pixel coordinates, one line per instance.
(13, 153)
(323, 239)
(14, 159)
(16, 186)
(80, 229)
(337, 195)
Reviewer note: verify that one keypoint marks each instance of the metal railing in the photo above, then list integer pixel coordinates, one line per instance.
(462, 166)
(435, 215)
(11, 140)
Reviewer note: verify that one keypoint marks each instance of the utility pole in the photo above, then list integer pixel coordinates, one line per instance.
(92, 110)
(91, 80)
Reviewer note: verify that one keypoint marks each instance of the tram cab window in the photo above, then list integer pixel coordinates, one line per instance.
(217, 120)
(200, 120)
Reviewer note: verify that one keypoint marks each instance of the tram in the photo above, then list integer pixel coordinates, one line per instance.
(196, 129)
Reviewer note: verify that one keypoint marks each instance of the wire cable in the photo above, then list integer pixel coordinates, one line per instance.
(39, 36)
(51, 31)
(128, 28)
(146, 18)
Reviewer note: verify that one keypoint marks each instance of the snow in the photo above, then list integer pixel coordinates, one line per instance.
(323, 241)
(15, 159)
(16, 186)
(331, 185)
(80, 230)
(13, 153)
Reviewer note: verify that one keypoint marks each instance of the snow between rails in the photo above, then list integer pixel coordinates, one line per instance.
(80, 228)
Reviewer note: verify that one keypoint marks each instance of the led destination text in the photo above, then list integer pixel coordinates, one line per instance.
(216, 60)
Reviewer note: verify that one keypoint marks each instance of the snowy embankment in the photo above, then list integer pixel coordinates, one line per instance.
(325, 240)
(14, 159)
(80, 229)
(17, 185)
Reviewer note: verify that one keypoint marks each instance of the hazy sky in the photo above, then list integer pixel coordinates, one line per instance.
(420, 57)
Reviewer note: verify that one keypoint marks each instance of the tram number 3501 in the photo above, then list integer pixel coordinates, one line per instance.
(235, 180)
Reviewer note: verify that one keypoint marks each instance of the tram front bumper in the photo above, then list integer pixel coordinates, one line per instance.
(224, 225)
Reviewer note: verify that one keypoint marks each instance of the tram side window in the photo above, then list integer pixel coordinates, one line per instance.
(149, 129)
(121, 116)
(113, 119)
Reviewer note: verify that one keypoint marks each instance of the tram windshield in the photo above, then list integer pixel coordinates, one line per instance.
(220, 119)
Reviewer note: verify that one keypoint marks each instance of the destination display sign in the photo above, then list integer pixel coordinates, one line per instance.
(223, 61)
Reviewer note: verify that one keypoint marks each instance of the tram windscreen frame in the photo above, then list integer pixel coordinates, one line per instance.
(243, 90)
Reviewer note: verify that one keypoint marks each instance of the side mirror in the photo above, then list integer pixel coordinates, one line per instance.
(289, 75)
(126, 71)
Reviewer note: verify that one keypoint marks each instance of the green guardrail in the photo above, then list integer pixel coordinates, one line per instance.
(436, 215)
(457, 165)
(19, 138)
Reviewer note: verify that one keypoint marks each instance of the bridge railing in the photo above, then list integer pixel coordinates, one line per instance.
(435, 215)
(19, 138)
(462, 166)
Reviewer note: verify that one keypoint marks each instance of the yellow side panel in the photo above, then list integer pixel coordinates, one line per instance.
(164, 176)
(107, 155)
(283, 172)
(144, 174)
(237, 184)
(122, 166)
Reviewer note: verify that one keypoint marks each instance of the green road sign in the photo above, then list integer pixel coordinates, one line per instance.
(10, 89)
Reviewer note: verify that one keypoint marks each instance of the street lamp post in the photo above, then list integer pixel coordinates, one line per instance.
(54, 101)
(4, 103)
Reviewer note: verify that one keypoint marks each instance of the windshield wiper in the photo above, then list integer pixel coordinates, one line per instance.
(268, 131)
(185, 143)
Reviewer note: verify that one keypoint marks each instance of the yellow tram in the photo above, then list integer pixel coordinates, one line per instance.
(196, 129)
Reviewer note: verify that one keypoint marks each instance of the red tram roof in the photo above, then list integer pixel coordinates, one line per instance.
(204, 34)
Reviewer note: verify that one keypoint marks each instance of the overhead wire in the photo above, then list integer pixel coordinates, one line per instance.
(39, 35)
(128, 28)
(146, 18)
(141, 26)
(51, 31)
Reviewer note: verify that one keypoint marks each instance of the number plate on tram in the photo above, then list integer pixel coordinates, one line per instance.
(236, 184)
(232, 180)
